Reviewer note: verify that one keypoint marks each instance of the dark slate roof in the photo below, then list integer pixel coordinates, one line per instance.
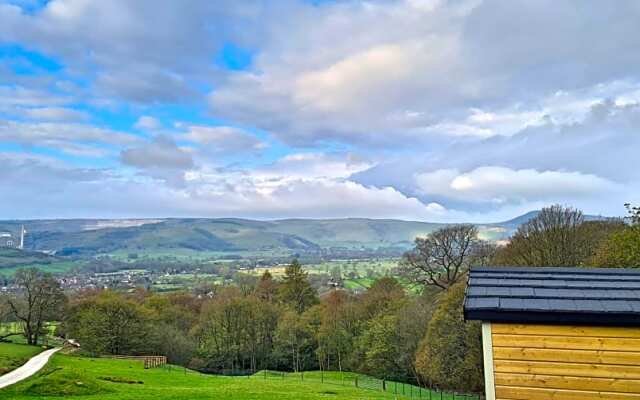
(593, 296)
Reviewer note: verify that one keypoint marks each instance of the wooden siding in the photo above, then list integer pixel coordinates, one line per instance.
(547, 362)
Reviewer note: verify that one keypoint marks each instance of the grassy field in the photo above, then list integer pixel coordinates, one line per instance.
(14, 355)
(87, 378)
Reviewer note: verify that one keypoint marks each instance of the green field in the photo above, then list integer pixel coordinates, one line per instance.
(14, 355)
(88, 378)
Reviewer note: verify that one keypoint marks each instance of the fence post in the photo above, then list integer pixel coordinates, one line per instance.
(395, 387)
(321, 376)
(384, 385)
(356, 380)
(302, 375)
(403, 388)
(265, 374)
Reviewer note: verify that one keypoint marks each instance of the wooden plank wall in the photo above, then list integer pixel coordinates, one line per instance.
(546, 362)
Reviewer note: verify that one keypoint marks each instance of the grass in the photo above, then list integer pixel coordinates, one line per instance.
(14, 355)
(89, 378)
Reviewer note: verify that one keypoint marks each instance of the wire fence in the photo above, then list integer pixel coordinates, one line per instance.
(399, 389)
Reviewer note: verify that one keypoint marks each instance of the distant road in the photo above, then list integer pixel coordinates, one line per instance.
(32, 366)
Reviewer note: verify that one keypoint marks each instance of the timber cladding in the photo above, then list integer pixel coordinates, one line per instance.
(562, 362)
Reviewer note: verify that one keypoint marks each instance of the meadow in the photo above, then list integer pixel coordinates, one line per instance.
(14, 355)
(90, 378)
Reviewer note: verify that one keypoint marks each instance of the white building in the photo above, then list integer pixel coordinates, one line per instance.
(7, 240)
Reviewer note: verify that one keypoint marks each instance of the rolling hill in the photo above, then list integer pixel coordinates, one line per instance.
(231, 235)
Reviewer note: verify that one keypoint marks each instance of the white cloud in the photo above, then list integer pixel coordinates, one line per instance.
(504, 185)
(147, 123)
(70, 191)
(317, 165)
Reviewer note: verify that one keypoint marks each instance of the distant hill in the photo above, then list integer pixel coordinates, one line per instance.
(100, 236)
(10, 257)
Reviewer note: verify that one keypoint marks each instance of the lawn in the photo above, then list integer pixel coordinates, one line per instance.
(14, 355)
(87, 378)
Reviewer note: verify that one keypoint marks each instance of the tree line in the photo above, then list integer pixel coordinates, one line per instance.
(284, 324)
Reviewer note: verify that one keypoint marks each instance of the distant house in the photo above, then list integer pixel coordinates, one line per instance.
(6, 240)
(558, 333)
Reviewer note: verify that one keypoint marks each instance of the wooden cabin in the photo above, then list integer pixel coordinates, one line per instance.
(558, 333)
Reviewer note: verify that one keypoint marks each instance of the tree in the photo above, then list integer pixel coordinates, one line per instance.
(295, 290)
(450, 356)
(336, 331)
(621, 248)
(557, 237)
(634, 214)
(383, 294)
(237, 332)
(5, 315)
(108, 322)
(295, 338)
(267, 287)
(444, 256)
(39, 300)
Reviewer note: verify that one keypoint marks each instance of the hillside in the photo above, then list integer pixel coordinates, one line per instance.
(232, 235)
(68, 237)
(86, 378)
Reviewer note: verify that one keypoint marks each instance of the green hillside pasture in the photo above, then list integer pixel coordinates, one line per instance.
(87, 378)
(18, 338)
(54, 268)
(14, 355)
(351, 379)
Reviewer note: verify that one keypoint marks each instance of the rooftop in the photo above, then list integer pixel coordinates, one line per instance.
(593, 296)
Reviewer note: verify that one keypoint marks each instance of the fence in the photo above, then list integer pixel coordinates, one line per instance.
(149, 361)
(405, 390)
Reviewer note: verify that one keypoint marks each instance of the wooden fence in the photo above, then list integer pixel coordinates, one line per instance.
(149, 361)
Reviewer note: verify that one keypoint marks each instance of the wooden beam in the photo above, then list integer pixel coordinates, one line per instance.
(487, 351)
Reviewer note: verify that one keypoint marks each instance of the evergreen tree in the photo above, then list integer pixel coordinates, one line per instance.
(295, 290)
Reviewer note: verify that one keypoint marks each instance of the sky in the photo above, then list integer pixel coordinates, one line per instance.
(432, 110)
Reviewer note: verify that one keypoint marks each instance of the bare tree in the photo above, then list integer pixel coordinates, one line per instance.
(552, 238)
(444, 256)
(39, 300)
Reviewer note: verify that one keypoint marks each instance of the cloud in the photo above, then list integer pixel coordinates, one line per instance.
(502, 185)
(323, 165)
(120, 44)
(161, 153)
(589, 163)
(453, 110)
(440, 62)
(147, 123)
(72, 138)
(55, 114)
(71, 191)
(223, 139)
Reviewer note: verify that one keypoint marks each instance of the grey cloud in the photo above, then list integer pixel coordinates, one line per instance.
(405, 70)
(161, 153)
(223, 140)
(74, 138)
(603, 148)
